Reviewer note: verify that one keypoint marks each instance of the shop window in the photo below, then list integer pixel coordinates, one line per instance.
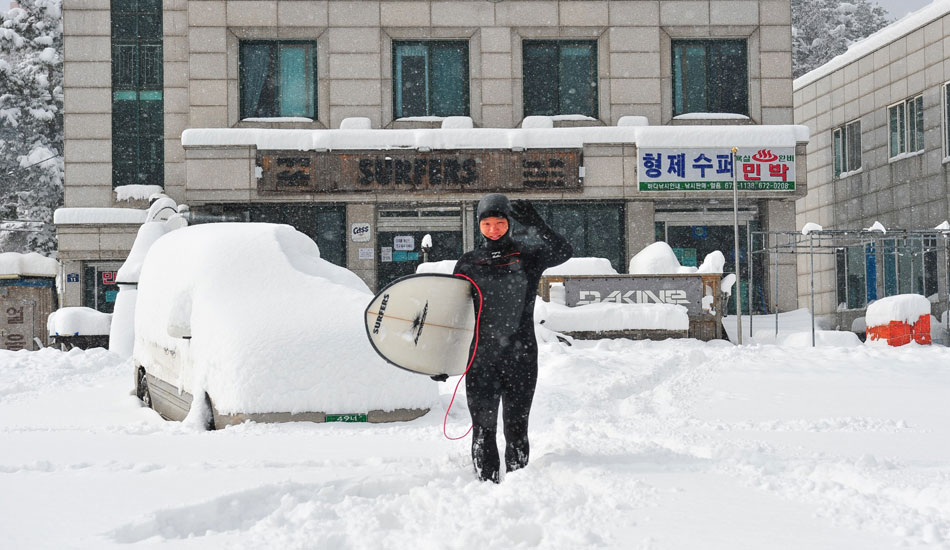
(278, 79)
(856, 276)
(138, 152)
(593, 229)
(905, 122)
(847, 148)
(99, 287)
(910, 266)
(710, 76)
(430, 78)
(325, 224)
(560, 77)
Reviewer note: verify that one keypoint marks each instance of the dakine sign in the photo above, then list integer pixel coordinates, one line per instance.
(636, 289)
(288, 172)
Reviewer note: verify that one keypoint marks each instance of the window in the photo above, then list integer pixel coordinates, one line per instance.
(847, 147)
(856, 276)
(99, 288)
(910, 266)
(594, 229)
(560, 78)
(905, 122)
(430, 78)
(138, 152)
(710, 76)
(278, 79)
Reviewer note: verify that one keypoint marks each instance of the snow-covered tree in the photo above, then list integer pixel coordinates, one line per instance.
(823, 29)
(31, 125)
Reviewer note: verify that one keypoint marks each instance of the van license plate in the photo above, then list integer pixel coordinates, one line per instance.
(346, 418)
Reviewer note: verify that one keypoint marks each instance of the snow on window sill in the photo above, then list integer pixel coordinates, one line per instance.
(843, 175)
(572, 117)
(278, 119)
(420, 119)
(903, 156)
(710, 116)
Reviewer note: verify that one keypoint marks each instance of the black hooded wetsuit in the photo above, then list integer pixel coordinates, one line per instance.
(505, 367)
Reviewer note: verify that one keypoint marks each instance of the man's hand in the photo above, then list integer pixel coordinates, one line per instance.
(440, 377)
(524, 213)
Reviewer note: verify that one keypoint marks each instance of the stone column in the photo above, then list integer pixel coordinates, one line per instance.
(779, 215)
(365, 268)
(640, 226)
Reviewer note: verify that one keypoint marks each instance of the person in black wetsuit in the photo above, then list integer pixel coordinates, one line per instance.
(505, 367)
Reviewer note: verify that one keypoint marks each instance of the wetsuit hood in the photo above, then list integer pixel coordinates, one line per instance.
(495, 205)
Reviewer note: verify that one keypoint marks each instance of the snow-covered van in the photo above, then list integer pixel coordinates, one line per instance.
(250, 320)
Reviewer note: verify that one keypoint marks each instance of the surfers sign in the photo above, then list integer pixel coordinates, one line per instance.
(419, 171)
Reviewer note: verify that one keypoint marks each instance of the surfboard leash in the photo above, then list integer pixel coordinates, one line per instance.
(470, 361)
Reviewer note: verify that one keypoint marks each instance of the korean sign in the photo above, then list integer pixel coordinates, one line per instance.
(710, 169)
(16, 325)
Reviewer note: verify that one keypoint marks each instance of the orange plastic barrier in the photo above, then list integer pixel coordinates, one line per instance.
(898, 333)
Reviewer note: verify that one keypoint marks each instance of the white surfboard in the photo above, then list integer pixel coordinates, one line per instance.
(424, 323)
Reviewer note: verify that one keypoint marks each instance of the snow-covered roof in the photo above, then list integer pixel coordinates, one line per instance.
(99, 216)
(498, 138)
(15, 264)
(905, 25)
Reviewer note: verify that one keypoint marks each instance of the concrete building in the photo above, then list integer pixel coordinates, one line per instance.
(878, 117)
(235, 108)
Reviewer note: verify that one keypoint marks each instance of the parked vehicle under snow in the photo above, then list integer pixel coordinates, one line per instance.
(249, 318)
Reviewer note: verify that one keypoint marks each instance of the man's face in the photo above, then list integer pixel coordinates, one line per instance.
(493, 228)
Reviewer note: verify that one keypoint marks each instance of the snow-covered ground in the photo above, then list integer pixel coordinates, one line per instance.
(643, 445)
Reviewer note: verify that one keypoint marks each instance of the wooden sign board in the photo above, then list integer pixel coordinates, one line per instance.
(286, 172)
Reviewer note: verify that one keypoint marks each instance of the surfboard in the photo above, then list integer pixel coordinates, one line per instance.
(423, 323)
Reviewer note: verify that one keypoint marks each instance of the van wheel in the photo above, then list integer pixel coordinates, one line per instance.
(209, 413)
(141, 388)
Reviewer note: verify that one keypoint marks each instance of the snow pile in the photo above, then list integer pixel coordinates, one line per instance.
(811, 226)
(876, 226)
(760, 329)
(78, 321)
(458, 122)
(611, 316)
(446, 267)
(582, 266)
(536, 121)
(356, 123)
(906, 308)
(137, 192)
(658, 259)
(161, 217)
(836, 338)
(30, 264)
(274, 327)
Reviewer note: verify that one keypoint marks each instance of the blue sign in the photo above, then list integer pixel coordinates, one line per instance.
(700, 232)
(72, 277)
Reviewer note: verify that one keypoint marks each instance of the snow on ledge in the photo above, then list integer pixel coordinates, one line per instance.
(811, 226)
(278, 119)
(498, 138)
(710, 116)
(137, 192)
(31, 264)
(78, 321)
(65, 216)
(905, 25)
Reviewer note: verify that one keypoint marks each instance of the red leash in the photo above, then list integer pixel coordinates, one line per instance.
(470, 361)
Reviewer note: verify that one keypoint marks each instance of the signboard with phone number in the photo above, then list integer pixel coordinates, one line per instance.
(710, 169)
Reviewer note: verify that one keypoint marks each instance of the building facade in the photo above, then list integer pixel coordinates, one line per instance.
(878, 117)
(370, 124)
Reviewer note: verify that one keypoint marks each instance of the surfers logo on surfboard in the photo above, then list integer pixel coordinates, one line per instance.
(424, 323)
(382, 310)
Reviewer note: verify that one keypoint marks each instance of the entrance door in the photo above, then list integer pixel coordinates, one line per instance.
(400, 252)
